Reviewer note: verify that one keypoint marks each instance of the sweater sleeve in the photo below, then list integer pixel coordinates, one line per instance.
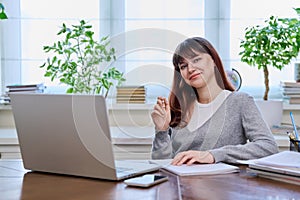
(162, 146)
(260, 143)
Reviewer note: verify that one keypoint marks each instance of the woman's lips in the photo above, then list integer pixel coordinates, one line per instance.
(194, 76)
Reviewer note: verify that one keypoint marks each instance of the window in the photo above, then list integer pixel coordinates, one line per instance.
(40, 22)
(149, 31)
(250, 13)
(31, 25)
(153, 29)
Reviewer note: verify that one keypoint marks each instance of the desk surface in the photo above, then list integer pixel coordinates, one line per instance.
(18, 183)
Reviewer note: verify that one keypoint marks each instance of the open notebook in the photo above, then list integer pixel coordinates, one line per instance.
(281, 159)
(283, 166)
(285, 162)
(196, 169)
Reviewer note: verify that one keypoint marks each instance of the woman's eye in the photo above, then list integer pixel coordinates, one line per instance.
(182, 67)
(196, 60)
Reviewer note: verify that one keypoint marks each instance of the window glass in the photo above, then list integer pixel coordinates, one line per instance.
(248, 13)
(173, 21)
(40, 23)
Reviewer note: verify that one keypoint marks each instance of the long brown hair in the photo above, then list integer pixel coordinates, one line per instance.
(183, 95)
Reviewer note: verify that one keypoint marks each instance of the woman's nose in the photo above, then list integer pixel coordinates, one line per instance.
(191, 67)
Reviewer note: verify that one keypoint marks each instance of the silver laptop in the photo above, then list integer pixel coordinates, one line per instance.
(69, 134)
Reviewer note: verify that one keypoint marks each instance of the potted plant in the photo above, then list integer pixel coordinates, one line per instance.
(77, 59)
(2, 12)
(3, 16)
(273, 45)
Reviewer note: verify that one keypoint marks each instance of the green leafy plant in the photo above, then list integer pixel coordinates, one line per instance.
(274, 44)
(77, 59)
(2, 12)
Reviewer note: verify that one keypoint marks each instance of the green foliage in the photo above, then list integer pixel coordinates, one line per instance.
(77, 58)
(2, 12)
(274, 44)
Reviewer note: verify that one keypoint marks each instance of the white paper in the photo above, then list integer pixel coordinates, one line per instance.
(202, 169)
(281, 159)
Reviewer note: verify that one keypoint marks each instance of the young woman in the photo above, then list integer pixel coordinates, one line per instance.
(205, 120)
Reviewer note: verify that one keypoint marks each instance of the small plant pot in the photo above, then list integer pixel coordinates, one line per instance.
(271, 111)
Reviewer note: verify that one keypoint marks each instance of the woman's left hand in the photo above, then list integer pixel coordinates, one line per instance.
(190, 157)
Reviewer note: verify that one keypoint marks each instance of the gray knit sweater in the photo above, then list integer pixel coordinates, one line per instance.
(236, 131)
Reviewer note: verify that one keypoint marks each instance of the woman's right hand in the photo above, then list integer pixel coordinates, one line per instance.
(161, 115)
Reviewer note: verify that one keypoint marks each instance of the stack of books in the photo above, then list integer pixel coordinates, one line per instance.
(29, 88)
(131, 94)
(283, 166)
(291, 90)
(4, 99)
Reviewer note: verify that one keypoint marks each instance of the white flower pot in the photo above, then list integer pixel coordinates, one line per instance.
(271, 111)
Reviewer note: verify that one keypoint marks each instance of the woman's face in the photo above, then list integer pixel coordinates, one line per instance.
(198, 71)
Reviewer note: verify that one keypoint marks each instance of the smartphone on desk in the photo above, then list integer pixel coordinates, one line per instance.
(146, 180)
